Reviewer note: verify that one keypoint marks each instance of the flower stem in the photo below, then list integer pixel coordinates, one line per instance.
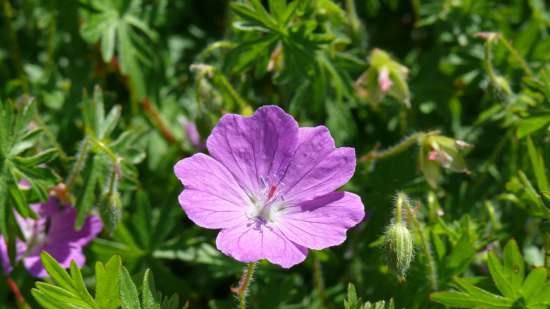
(318, 280)
(155, 118)
(515, 54)
(244, 284)
(396, 149)
(19, 298)
(401, 198)
(79, 164)
(425, 247)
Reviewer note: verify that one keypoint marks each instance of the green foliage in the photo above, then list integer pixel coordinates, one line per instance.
(353, 302)
(114, 288)
(119, 28)
(409, 84)
(21, 158)
(508, 275)
(100, 154)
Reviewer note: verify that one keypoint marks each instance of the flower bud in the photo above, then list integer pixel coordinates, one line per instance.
(398, 240)
(398, 243)
(385, 77)
(436, 152)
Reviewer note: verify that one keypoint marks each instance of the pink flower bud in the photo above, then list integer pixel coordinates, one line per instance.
(384, 81)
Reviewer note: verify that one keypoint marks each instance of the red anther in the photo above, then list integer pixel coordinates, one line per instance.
(272, 191)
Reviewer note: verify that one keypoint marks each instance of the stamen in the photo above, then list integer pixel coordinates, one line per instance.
(272, 191)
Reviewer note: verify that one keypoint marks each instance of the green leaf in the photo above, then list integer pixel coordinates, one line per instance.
(80, 286)
(532, 124)
(21, 203)
(4, 209)
(148, 299)
(108, 124)
(256, 15)
(513, 264)
(533, 283)
(128, 292)
(54, 297)
(40, 158)
(246, 53)
(483, 297)
(107, 283)
(537, 164)
(86, 198)
(58, 274)
(499, 275)
(454, 299)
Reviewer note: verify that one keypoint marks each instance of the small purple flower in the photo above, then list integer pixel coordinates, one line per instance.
(269, 186)
(53, 232)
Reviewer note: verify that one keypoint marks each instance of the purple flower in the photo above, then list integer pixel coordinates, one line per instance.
(269, 186)
(53, 232)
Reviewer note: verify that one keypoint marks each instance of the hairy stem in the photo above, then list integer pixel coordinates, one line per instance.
(157, 121)
(244, 284)
(396, 149)
(19, 298)
(318, 280)
(79, 164)
(401, 198)
(515, 54)
(425, 247)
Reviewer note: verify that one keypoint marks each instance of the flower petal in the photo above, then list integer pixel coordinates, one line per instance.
(62, 253)
(4, 257)
(322, 222)
(211, 198)
(62, 228)
(257, 149)
(317, 167)
(253, 242)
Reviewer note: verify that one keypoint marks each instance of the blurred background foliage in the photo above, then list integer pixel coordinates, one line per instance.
(105, 96)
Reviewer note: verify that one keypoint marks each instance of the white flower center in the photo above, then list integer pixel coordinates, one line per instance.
(266, 206)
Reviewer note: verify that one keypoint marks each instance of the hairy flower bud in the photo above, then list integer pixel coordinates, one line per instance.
(398, 240)
(398, 243)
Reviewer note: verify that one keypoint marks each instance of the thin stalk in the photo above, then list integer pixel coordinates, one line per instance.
(157, 121)
(244, 284)
(318, 280)
(524, 65)
(79, 164)
(19, 298)
(114, 158)
(399, 208)
(425, 247)
(396, 149)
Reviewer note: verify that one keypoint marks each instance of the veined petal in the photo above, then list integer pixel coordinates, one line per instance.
(322, 222)
(253, 242)
(257, 149)
(212, 198)
(317, 167)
